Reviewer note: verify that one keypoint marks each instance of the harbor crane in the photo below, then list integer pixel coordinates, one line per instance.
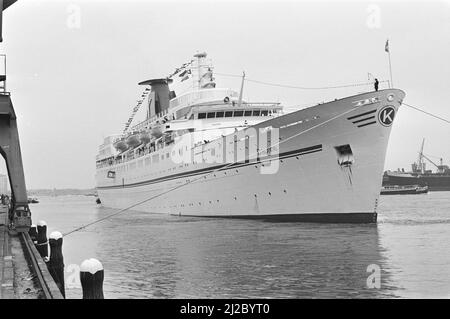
(419, 167)
(19, 216)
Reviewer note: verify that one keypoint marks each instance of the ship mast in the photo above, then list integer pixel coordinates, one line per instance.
(242, 89)
(200, 64)
(204, 73)
(420, 162)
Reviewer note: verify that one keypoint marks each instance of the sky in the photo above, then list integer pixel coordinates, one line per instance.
(73, 66)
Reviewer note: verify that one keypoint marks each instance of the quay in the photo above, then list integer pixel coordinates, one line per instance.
(23, 272)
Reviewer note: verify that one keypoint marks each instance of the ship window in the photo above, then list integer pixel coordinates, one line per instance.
(256, 112)
(229, 114)
(264, 113)
(211, 115)
(238, 113)
(167, 155)
(219, 114)
(201, 115)
(155, 158)
(248, 113)
(148, 161)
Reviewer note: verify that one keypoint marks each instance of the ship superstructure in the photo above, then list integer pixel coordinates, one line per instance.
(208, 152)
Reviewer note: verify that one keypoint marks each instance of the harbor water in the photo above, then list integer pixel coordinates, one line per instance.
(160, 256)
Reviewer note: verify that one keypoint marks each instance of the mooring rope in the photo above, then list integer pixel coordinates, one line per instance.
(299, 87)
(203, 176)
(427, 113)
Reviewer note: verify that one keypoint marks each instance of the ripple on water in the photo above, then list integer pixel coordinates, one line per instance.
(159, 256)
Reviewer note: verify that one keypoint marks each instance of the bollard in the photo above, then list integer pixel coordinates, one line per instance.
(33, 233)
(42, 243)
(91, 277)
(56, 263)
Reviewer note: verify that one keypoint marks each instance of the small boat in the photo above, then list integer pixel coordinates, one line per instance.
(157, 131)
(404, 190)
(32, 200)
(133, 140)
(144, 137)
(121, 145)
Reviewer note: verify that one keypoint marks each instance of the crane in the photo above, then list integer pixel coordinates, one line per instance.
(420, 166)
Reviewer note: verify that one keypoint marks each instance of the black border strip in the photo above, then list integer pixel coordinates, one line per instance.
(362, 114)
(303, 151)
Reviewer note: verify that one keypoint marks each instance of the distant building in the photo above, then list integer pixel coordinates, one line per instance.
(4, 184)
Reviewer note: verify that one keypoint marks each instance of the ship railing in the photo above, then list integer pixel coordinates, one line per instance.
(146, 123)
(139, 152)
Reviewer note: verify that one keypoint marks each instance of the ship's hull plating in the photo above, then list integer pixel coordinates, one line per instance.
(435, 182)
(310, 184)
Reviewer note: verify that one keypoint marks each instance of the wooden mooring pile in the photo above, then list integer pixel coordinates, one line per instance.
(50, 249)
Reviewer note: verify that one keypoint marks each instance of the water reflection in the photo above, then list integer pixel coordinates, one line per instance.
(157, 256)
(154, 256)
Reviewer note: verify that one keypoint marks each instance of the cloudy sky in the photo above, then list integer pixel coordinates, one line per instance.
(73, 66)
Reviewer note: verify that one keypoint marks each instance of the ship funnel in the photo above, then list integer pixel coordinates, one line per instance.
(160, 95)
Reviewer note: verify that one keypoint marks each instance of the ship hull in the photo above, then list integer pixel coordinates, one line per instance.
(312, 182)
(434, 183)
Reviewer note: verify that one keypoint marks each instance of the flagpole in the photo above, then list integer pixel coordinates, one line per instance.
(388, 50)
(390, 67)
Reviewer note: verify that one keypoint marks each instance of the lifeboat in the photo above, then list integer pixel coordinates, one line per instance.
(133, 140)
(157, 131)
(121, 145)
(144, 137)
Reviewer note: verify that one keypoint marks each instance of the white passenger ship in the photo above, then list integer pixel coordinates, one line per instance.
(194, 155)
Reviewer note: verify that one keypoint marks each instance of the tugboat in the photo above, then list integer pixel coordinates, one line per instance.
(404, 190)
